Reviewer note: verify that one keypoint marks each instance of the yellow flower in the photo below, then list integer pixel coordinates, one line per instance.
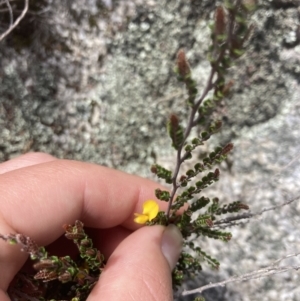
(150, 211)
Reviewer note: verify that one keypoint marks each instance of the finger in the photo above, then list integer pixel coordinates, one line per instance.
(38, 200)
(4, 296)
(106, 240)
(41, 198)
(140, 267)
(25, 161)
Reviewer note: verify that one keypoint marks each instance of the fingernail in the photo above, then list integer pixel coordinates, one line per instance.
(171, 245)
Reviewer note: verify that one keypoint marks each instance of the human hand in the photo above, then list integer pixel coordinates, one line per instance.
(40, 193)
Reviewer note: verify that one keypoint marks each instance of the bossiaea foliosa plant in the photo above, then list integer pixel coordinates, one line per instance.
(62, 278)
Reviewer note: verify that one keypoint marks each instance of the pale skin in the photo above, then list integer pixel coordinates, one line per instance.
(39, 194)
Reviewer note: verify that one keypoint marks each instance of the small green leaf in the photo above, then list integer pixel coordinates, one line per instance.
(175, 131)
(238, 52)
(196, 141)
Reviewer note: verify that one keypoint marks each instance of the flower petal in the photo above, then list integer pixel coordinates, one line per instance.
(150, 208)
(141, 218)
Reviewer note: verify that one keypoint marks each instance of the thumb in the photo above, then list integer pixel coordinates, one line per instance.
(140, 267)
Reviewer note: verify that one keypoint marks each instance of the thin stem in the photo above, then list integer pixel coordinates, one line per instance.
(186, 134)
(11, 17)
(14, 25)
(269, 270)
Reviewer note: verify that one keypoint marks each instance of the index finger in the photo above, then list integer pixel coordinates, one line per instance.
(39, 199)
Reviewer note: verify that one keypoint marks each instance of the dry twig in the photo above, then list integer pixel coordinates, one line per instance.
(269, 270)
(11, 17)
(13, 25)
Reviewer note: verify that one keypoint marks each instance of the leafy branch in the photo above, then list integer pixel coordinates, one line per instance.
(68, 279)
(229, 33)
